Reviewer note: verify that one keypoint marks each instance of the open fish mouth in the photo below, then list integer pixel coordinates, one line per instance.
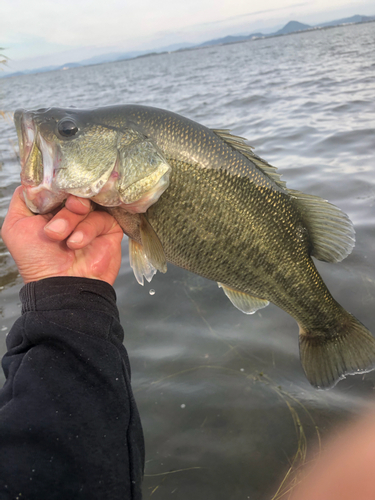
(26, 135)
(45, 188)
(51, 170)
(38, 160)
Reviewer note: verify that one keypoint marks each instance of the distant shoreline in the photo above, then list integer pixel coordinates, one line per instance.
(317, 28)
(204, 45)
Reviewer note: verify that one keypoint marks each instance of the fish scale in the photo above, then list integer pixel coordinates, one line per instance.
(201, 199)
(236, 219)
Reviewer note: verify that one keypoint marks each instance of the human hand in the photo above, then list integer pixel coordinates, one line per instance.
(345, 468)
(74, 242)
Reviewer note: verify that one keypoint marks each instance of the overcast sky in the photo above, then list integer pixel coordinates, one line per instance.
(39, 33)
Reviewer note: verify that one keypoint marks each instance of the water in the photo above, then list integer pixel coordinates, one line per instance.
(220, 393)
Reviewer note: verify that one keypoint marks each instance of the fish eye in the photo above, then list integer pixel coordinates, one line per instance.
(67, 128)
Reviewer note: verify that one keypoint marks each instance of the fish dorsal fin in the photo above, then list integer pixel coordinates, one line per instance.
(246, 303)
(331, 231)
(152, 246)
(139, 262)
(239, 144)
(235, 141)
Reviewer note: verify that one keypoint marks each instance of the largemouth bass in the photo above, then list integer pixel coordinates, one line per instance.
(202, 200)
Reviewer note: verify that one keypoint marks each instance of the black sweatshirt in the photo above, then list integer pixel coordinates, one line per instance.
(69, 425)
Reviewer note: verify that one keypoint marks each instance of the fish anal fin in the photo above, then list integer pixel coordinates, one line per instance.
(152, 246)
(139, 262)
(246, 303)
(331, 231)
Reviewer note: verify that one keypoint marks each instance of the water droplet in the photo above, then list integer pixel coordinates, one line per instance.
(152, 291)
(183, 406)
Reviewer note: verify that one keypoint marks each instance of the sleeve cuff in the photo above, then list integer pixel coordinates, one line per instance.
(69, 293)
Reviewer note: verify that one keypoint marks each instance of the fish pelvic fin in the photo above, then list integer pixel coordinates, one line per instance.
(328, 357)
(246, 303)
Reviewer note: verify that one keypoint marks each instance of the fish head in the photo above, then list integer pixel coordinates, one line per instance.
(88, 153)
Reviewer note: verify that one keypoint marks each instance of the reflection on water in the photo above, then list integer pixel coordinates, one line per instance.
(225, 406)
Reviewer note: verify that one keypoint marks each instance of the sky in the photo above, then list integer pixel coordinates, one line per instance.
(41, 33)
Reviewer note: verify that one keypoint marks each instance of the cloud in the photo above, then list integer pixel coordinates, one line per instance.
(255, 13)
(90, 22)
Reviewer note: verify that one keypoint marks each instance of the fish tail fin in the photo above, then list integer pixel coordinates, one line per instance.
(327, 356)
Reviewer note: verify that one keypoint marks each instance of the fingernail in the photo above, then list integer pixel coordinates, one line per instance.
(85, 202)
(76, 237)
(57, 226)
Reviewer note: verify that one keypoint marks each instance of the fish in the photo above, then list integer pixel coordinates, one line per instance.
(202, 199)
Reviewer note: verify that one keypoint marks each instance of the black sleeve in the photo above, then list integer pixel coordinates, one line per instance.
(69, 425)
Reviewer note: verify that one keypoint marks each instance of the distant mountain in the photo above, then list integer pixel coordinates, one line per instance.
(348, 20)
(289, 28)
(44, 69)
(230, 39)
(104, 58)
(112, 57)
(120, 56)
(176, 46)
(292, 27)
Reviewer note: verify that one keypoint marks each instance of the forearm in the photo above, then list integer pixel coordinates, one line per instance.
(69, 427)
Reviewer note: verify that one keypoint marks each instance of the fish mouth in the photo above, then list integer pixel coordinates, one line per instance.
(37, 158)
(40, 163)
(26, 134)
(50, 172)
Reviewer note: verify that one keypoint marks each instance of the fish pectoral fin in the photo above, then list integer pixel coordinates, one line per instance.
(331, 231)
(152, 246)
(147, 257)
(246, 303)
(139, 262)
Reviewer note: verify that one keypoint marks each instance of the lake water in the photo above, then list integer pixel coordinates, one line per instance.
(223, 399)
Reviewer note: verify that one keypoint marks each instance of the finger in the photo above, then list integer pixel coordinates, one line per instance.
(63, 224)
(95, 224)
(80, 206)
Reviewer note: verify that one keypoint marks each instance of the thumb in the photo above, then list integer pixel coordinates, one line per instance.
(17, 211)
(18, 206)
